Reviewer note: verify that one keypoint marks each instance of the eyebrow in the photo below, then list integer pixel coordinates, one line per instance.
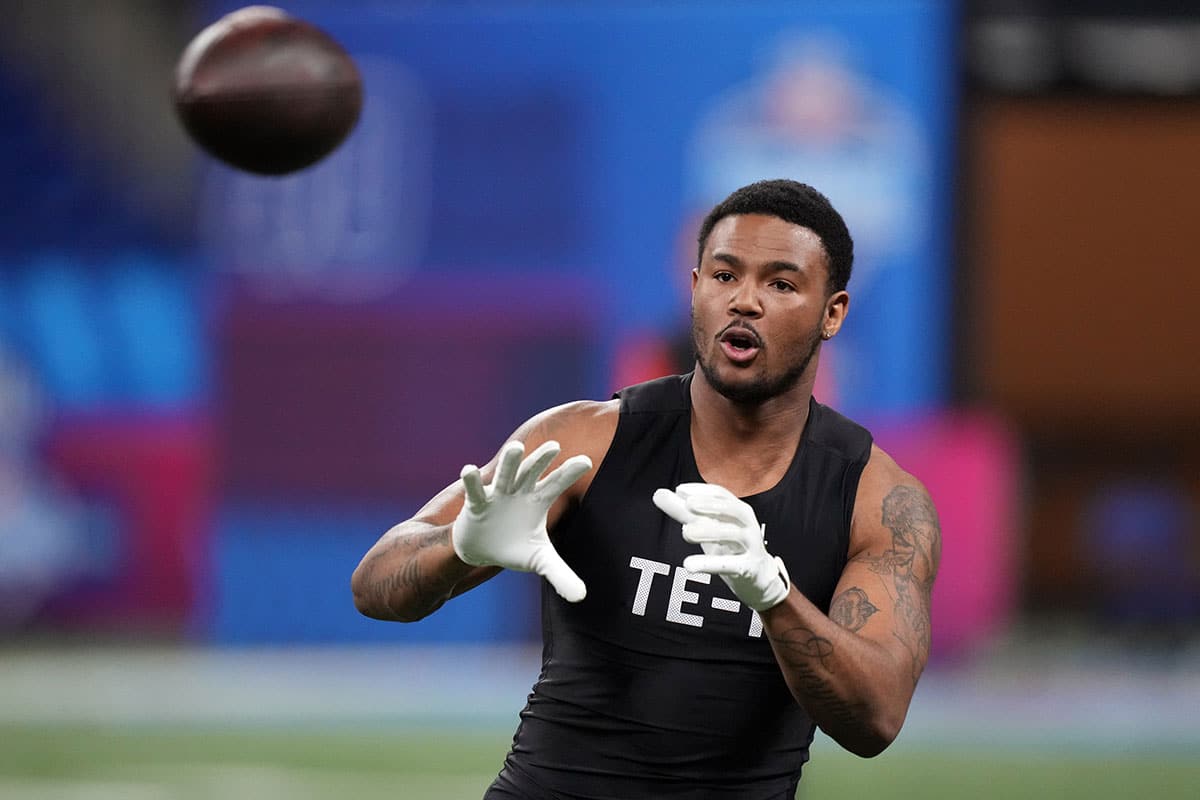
(772, 266)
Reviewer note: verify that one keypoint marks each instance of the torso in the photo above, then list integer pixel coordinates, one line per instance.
(659, 683)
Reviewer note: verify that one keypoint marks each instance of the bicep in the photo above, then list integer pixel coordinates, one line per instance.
(446, 504)
(580, 428)
(884, 592)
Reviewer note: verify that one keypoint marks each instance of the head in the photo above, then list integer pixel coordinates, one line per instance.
(769, 286)
(799, 204)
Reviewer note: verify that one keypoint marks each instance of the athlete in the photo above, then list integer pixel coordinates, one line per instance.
(741, 565)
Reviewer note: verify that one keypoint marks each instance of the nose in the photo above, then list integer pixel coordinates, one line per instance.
(744, 301)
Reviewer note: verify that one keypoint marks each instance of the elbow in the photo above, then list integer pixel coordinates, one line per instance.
(366, 607)
(371, 602)
(364, 601)
(868, 746)
(368, 601)
(873, 737)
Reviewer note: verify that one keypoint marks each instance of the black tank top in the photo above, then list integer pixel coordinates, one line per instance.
(660, 684)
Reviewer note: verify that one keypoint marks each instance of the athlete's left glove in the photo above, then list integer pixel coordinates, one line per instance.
(732, 540)
(503, 524)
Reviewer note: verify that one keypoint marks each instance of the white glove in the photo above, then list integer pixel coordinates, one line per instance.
(732, 540)
(503, 524)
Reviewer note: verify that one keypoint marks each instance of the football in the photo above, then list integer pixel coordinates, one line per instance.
(266, 92)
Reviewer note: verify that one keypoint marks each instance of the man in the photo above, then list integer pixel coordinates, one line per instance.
(659, 680)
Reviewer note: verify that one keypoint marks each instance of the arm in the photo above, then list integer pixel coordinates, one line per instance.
(855, 670)
(413, 569)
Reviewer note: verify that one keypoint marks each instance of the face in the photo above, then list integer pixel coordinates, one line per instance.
(760, 303)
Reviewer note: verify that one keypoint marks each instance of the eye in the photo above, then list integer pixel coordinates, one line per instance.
(783, 286)
(722, 276)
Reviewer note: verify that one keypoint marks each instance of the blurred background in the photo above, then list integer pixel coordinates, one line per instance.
(217, 390)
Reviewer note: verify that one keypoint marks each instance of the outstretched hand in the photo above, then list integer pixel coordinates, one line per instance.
(503, 523)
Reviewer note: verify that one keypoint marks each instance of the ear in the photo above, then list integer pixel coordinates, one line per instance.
(695, 278)
(836, 308)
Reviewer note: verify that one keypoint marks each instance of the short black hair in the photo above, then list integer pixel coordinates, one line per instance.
(799, 204)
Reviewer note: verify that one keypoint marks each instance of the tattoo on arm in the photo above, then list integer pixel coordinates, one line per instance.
(911, 565)
(907, 569)
(804, 653)
(429, 592)
(851, 609)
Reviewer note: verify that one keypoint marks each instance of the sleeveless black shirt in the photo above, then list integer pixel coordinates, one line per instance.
(660, 684)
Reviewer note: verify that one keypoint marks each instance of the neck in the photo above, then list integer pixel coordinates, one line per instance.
(746, 447)
(764, 418)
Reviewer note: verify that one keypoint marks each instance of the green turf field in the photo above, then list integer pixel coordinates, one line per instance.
(78, 763)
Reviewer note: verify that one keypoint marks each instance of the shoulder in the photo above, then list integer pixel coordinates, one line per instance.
(582, 427)
(666, 394)
(892, 503)
(833, 431)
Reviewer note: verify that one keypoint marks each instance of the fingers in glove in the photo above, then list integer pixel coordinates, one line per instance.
(507, 466)
(723, 509)
(710, 490)
(702, 530)
(550, 565)
(731, 566)
(672, 505)
(534, 465)
(477, 498)
(567, 473)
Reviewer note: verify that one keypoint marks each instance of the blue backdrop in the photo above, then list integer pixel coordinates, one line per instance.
(587, 137)
(506, 152)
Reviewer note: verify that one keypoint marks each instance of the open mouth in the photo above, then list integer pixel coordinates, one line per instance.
(740, 344)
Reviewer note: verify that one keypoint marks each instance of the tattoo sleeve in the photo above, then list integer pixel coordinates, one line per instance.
(845, 680)
(395, 571)
(909, 566)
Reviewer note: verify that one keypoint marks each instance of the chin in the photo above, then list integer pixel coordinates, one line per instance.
(743, 386)
(752, 384)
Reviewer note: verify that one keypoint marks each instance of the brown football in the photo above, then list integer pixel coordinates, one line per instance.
(266, 92)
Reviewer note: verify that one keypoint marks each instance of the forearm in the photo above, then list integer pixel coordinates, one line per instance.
(409, 573)
(852, 687)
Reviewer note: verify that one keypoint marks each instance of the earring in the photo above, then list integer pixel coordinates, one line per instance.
(826, 335)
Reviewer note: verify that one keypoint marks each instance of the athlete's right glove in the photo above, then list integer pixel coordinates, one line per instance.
(728, 532)
(503, 524)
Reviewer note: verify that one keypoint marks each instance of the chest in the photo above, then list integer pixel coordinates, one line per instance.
(631, 555)
(745, 476)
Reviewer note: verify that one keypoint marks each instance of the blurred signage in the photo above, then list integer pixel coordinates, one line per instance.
(1117, 48)
(542, 138)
